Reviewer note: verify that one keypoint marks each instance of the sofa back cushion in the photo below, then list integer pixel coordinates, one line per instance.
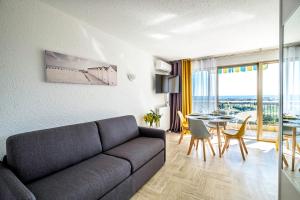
(115, 131)
(36, 154)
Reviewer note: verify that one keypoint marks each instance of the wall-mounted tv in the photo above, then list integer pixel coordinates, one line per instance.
(173, 84)
(166, 83)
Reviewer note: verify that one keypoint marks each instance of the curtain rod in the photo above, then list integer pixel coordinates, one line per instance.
(236, 53)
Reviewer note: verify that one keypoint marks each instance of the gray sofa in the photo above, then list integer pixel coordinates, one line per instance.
(106, 159)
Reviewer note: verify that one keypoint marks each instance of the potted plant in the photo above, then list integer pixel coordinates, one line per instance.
(152, 117)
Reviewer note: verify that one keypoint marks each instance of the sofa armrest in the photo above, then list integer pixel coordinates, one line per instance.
(11, 187)
(152, 132)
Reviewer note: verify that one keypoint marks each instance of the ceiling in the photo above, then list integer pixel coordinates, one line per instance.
(176, 29)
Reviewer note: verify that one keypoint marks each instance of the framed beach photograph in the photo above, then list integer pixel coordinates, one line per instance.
(62, 68)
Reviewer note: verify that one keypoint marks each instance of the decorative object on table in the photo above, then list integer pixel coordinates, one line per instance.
(289, 117)
(217, 113)
(184, 126)
(62, 68)
(199, 132)
(152, 117)
(236, 134)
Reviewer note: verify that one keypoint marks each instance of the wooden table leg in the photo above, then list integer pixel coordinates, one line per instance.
(203, 146)
(277, 142)
(284, 161)
(293, 149)
(219, 139)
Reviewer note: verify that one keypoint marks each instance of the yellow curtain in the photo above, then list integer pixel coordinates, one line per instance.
(186, 87)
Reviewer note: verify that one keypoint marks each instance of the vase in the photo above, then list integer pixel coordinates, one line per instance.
(157, 124)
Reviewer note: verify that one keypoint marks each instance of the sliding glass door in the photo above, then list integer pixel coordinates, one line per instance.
(237, 94)
(270, 101)
(251, 89)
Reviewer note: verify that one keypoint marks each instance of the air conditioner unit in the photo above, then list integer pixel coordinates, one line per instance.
(162, 66)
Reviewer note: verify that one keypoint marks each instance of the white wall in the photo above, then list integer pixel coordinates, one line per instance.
(28, 103)
(244, 58)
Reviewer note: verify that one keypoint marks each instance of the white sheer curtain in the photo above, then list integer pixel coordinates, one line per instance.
(291, 80)
(204, 85)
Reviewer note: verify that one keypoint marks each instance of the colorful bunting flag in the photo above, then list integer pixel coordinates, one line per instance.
(239, 69)
(265, 67)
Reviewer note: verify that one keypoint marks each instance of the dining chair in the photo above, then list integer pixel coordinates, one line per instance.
(199, 132)
(291, 133)
(236, 134)
(184, 126)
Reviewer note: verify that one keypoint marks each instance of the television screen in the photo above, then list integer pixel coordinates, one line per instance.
(162, 84)
(174, 84)
(166, 83)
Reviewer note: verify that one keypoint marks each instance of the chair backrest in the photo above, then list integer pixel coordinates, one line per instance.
(181, 117)
(198, 128)
(242, 129)
(287, 130)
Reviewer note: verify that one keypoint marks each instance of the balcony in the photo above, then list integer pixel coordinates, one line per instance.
(240, 107)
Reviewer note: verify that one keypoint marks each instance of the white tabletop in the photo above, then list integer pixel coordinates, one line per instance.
(292, 125)
(210, 118)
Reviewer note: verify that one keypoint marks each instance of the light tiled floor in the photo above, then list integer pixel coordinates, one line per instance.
(227, 178)
(294, 176)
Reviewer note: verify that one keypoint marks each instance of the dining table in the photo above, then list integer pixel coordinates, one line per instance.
(218, 121)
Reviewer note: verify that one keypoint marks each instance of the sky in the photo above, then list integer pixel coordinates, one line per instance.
(245, 83)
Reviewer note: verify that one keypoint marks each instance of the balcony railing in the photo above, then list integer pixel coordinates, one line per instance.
(270, 109)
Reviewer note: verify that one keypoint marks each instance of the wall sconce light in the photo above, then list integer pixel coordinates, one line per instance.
(131, 76)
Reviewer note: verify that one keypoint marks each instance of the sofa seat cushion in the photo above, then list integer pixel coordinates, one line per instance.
(89, 179)
(138, 151)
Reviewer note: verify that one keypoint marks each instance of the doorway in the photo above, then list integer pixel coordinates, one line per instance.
(251, 89)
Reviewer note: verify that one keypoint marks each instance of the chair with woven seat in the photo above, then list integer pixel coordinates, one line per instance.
(199, 132)
(238, 135)
(184, 126)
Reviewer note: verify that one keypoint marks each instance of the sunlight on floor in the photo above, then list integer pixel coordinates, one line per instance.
(263, 146)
